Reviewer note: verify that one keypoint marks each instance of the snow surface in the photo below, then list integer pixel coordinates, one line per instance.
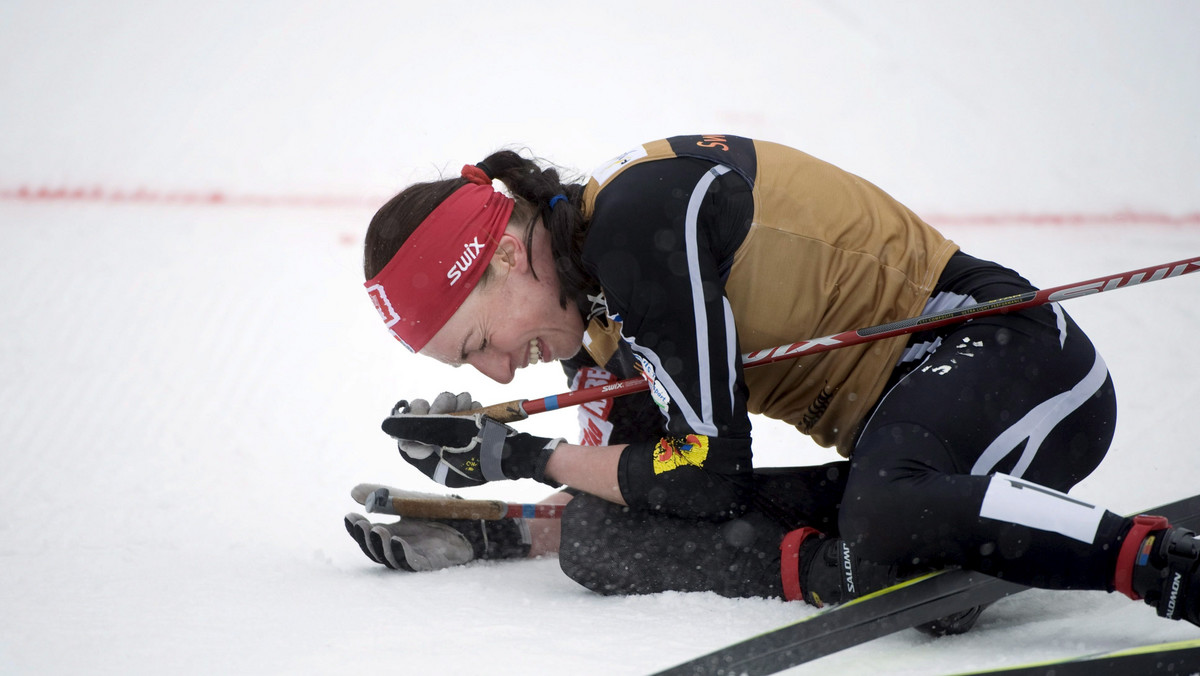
(191, 378)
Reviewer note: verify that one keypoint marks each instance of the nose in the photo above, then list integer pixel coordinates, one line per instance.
(494, 365)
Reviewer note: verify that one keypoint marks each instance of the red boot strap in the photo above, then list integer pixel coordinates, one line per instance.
(1127, 557)
(789, 562)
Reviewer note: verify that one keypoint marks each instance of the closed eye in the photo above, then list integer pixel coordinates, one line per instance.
(463, 355)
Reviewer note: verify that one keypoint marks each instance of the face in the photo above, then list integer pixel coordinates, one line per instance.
(513, 320)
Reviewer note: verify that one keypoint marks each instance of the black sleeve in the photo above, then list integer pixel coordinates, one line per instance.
(661, 242)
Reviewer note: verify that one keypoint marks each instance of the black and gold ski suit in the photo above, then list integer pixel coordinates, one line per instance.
(708, 247)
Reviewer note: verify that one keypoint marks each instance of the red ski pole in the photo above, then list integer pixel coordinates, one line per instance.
(523, 408)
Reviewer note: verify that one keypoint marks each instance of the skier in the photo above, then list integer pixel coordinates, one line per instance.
(671, 261)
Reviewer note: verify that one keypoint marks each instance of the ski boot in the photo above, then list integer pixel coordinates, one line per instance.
(1160, 564)
(822, 570)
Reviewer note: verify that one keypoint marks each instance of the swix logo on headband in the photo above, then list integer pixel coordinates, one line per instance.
(470, 254)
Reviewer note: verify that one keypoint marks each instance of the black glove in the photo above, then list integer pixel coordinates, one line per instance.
(465, 450)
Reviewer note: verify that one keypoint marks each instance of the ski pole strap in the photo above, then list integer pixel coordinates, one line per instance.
(1131, 553)
(491, 446)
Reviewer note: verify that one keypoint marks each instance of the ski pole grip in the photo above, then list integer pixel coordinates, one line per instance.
(488, 510)
(510, 411)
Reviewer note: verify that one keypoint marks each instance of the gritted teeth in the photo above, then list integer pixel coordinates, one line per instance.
(535, 352)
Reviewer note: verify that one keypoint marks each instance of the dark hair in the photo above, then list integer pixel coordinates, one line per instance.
(531, 186)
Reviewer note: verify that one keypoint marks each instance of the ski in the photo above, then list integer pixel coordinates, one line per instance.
(380, 499)
(902, 606)
(1178, 658)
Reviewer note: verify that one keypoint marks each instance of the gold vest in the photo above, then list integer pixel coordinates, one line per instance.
(827, 252)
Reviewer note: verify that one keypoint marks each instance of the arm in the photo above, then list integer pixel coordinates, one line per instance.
(591, 469)
(658, 243)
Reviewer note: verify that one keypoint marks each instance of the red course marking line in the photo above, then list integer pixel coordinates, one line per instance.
(1026, 218)
(221, 198)
(182, 197)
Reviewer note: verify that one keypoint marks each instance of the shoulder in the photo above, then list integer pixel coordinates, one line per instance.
(631, 213)
(658, 182)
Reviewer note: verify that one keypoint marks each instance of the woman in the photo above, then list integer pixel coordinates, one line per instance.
(670, 262)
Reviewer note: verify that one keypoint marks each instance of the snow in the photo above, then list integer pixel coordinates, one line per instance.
(191, 378)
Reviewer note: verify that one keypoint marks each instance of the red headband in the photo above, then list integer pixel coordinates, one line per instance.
(431, 275)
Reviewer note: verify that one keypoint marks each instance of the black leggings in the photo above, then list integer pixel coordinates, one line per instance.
(613, 549)
(1024, 395)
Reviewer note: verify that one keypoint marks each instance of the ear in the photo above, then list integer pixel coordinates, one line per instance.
(510, 255)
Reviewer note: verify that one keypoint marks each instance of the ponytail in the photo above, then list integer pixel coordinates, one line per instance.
(540, 193)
